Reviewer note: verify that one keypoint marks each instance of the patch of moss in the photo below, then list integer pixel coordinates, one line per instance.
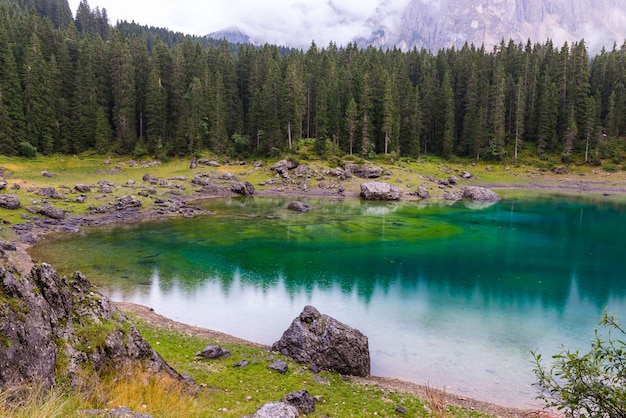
(92, 335)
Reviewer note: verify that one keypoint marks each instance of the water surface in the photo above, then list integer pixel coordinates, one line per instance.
(450, 296)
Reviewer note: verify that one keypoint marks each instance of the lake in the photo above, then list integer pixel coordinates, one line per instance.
(453, 296)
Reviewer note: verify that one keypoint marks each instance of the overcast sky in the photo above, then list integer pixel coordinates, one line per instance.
(283, 22)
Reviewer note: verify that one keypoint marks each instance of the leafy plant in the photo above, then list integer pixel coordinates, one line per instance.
(591, 384)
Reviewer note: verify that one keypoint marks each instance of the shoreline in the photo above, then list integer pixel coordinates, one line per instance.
(153, 318)
(186, 208)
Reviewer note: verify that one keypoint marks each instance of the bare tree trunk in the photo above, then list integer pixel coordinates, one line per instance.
(289, 133)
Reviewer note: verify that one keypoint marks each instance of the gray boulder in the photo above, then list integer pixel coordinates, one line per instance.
(3, 184)
(49, 192)
(214, 352)
(300, 206)
(244, 188)
(279, 366)
(422, 192)
(52, 212)
(313, 338)
(379, 191)
(82, 188)
(8, 201)
(366, 171)
(283, 166)
(302, 400)
(202, 180)
(126, 202)
(480, 193)
(276, 410)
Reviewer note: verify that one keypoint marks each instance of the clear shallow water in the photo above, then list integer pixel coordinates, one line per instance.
(449, 296)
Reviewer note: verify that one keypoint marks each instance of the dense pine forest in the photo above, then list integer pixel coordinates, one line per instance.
(70, 85)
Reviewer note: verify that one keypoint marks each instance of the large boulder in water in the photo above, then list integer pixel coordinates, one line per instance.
(320, 340)
(480, 193)
(379, 191)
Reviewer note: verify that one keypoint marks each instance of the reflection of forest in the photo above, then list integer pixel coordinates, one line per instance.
(512, 253)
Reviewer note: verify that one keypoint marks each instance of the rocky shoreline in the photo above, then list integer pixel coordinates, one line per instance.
(168, 201)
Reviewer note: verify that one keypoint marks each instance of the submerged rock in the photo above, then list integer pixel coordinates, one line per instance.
(300, 206)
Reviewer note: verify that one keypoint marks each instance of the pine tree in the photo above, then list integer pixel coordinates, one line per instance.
(14, 125)
(156, 111)
(352, 114)
(498, 112)
(38, 123)
(548, 118)
(294, 99)
(124, 94)
(447, 145)
(520, 109)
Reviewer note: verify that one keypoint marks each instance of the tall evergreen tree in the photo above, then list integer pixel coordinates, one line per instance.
(14, 126)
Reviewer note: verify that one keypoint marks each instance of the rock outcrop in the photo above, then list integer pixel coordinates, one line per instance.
(51, 323)
(379, 191)
(320, 340)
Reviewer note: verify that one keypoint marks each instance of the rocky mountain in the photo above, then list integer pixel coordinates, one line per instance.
(436, 24)
(233, 35)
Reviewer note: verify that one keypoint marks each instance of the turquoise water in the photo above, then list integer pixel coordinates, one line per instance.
(450, 296)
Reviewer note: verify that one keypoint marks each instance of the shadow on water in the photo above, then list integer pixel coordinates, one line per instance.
(451, 295)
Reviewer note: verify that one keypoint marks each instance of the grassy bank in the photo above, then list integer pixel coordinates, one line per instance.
(224, 390)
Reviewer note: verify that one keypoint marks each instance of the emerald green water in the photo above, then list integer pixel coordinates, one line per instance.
(449, 296)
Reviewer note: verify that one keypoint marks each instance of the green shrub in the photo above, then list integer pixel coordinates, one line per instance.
(591, 384)
(25, 149)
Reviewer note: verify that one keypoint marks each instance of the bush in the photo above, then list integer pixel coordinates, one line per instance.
(25, 149)
(592, 384)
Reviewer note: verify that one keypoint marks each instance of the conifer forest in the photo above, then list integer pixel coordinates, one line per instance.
(75, 84)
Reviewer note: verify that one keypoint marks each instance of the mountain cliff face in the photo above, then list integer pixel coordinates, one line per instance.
(437, 24)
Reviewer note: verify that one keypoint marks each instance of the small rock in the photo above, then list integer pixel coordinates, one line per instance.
(302, 400)
(3, 184)
(52, 212)
(242, 363)
(47, 174)
(276, 410)
(8, 201)
(300, 206)
(82, 188)
(214, 352)
(150, 178)
(50, 192)
(401, 410)
(279, 366)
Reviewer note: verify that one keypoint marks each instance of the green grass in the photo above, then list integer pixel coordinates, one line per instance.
(223, 390)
